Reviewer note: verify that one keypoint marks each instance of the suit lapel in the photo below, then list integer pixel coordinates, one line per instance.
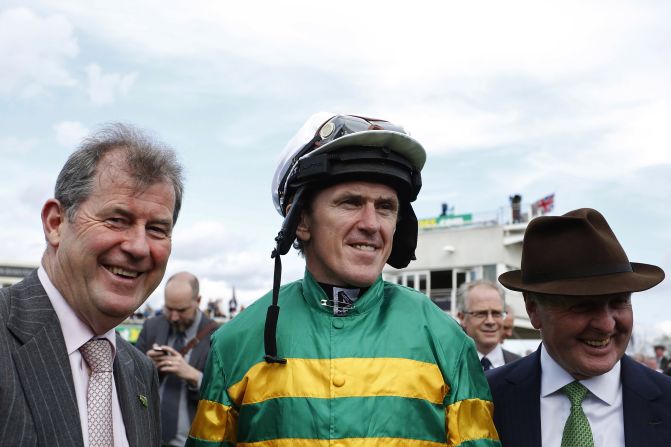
(43, 366)
(133, 394)
(524, 398)
(643, 417)
(163, 332)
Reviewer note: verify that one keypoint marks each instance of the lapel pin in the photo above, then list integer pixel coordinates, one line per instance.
(143, 399)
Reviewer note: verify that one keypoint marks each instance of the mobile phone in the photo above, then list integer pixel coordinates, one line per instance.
(162, 349)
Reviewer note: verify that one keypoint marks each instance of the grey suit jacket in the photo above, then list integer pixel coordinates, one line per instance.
(509, 357)
(157, 329)
(37, 394)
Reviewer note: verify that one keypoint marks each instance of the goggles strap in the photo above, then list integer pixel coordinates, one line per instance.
(270, 330)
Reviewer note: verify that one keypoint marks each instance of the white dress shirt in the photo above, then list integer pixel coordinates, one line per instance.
(495, 356)
(602, 405)
(76, 333)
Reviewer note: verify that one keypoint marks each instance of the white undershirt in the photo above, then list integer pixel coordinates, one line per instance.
(76, 333)
(602, 405)
(495, 356)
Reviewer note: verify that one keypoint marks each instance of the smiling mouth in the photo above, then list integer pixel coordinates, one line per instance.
(364, 247)
(122, 272)
(597, 343)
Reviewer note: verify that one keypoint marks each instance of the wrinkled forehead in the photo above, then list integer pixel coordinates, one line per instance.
(364, 189)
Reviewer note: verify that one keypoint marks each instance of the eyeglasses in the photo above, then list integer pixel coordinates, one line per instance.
(484, 314)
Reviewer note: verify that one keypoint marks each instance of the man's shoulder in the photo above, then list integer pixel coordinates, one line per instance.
(509, 356)
(515, 372)
(125, 350)
(407, 299)
(154, 322)
(634, 373)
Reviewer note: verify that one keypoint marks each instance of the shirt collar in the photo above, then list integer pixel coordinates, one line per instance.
(495, 355)
(605, 387)
(75, 331)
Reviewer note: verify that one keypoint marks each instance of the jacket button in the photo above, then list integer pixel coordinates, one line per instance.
(338, 323)
(339, 381)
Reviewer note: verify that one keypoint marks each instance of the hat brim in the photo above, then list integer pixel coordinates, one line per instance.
(398, 142)
(643, 277)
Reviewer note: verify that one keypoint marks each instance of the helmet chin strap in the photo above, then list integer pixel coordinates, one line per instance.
(270, 331)
(284, 239)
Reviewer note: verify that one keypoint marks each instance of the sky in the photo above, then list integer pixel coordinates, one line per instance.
(517, 97)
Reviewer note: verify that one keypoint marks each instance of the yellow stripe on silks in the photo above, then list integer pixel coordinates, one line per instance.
(214, 422)
(356, 377)
(470, 419)
(347, 442)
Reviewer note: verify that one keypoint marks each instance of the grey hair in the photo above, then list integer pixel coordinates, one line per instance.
(148, 162)
(465, 289)
(192, 280)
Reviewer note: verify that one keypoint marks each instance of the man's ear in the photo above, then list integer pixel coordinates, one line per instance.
(461, 316)
(532, 310)
(53, 218)
(303, 227)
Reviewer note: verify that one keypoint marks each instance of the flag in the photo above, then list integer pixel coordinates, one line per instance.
(544, 205)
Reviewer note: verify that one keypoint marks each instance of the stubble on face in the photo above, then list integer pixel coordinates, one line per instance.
(349, 232)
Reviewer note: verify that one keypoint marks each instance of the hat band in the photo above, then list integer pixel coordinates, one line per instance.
(583, 272)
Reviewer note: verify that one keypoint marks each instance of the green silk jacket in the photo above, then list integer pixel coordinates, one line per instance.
(396, 371)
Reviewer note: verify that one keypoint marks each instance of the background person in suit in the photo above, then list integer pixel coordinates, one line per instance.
(480, 309)
(577, 283)
(661, 361)
(161, 337)
(108, 240)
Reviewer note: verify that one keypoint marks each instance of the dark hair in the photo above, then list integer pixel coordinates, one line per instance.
(148, 162)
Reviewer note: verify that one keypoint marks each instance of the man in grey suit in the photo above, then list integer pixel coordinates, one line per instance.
(480, 309)
(178, 341)
(108, 237)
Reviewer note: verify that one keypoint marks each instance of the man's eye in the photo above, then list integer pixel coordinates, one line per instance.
(116, 221)
(158, 232)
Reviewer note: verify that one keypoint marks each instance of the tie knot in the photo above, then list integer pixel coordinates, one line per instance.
(486, 363)
(98, 355)
(576, 392)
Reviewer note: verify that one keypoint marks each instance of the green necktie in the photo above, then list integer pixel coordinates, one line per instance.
(577, 432)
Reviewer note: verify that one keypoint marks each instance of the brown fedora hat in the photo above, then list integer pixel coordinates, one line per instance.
(577, 254)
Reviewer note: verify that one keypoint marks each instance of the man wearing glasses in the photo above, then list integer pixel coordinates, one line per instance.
(480, 309)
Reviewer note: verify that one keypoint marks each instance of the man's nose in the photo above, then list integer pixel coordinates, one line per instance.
(369, 220)
(603, 318)
(136, 242)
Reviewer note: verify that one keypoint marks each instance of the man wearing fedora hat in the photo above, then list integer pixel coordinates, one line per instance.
(579, 388)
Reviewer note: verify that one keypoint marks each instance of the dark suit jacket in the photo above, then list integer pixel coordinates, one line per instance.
(157, 329)
(509, 357)
(646, 399)
(37, 393)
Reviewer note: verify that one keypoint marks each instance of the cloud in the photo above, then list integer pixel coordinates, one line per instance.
(10, 146)
(103, 88)
(70, 133)
(34, 52)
